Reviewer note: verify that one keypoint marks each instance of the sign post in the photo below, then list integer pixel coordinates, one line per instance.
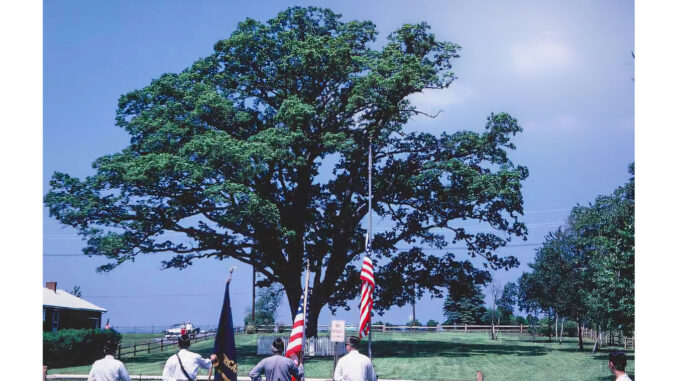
(337, 329)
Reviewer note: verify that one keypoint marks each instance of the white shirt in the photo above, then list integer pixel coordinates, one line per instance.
(108, 369)
(623, 377)
(354, 367)
(191, 361)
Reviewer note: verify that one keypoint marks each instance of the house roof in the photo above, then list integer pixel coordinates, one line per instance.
(62, 299)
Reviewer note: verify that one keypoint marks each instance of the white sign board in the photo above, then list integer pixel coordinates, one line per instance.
(337, 331)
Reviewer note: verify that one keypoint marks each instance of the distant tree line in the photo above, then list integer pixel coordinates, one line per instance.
(584, 271)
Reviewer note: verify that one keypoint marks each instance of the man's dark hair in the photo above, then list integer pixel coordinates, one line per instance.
(184, 341)
(353, 341)
(111, 347)
(618, 359)
(278, 345)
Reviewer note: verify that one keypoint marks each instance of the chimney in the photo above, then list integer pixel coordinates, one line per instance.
(51, 286)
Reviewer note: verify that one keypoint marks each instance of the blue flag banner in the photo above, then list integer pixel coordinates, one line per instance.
(224, 344)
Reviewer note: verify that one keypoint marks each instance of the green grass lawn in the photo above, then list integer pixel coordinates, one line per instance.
(131, 338)
(429, 356)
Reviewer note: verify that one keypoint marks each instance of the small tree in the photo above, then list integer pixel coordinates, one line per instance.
(528, 300)
(507, 301)
(268, 300)
(76, 291)
(495, 296)
(467, 308)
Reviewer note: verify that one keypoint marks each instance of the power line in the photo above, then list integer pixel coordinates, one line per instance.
(479, 228)
(397, 247)
(158, 295)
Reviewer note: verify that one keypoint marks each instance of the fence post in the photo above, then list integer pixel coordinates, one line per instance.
(148, 345)
(119, 350)
(465, 328)
(135, 350)
(521, 328)
(162, 341)
(383, 328)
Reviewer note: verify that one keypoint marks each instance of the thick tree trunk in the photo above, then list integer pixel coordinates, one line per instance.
(414, 314)
(315, 305)
(562, 329)
(581, 338)
(312, 324)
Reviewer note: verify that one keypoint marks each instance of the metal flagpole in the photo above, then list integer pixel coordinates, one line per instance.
(303, 331)
(369, 235)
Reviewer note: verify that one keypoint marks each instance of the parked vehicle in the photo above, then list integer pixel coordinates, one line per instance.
(175, 331)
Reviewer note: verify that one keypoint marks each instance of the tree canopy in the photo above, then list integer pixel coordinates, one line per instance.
(586, 270)
(258, 152)
(465, 307)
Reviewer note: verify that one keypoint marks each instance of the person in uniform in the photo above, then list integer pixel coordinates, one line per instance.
(108, 368)
(354, 366)
(277, 367)
(184, 365)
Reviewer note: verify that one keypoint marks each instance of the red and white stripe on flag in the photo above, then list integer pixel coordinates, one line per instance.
(367, 276)
(297, 334)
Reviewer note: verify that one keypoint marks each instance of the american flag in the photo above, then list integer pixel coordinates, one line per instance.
(297, 334)
(366, 275)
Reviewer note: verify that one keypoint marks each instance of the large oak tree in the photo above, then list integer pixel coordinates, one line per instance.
(228, 154)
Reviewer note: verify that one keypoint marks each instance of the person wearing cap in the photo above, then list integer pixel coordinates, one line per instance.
(108, 368)
(277, 367)
(184, 365)
(354, 366)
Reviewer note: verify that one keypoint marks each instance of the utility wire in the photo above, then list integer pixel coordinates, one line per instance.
(397, 247)
(472, 228)
(158, 295)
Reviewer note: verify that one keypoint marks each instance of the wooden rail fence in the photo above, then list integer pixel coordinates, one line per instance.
(162, 344)
(608, 338)
(323, 347)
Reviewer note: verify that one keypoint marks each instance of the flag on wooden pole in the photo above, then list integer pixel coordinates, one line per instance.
(224, 342)
(294, 346)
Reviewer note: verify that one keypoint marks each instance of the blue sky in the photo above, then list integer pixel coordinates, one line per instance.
(563, 69)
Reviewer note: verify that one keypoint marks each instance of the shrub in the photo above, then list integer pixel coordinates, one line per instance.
(569, 331)
(73, 347)
(250, 329)
(431, 323)
(414, 323)
(519, 320)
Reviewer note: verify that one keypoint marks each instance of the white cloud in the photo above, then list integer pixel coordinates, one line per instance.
(432, 101)
(542, 57)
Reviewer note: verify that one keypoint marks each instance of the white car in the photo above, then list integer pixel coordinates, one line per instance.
(175, 331)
